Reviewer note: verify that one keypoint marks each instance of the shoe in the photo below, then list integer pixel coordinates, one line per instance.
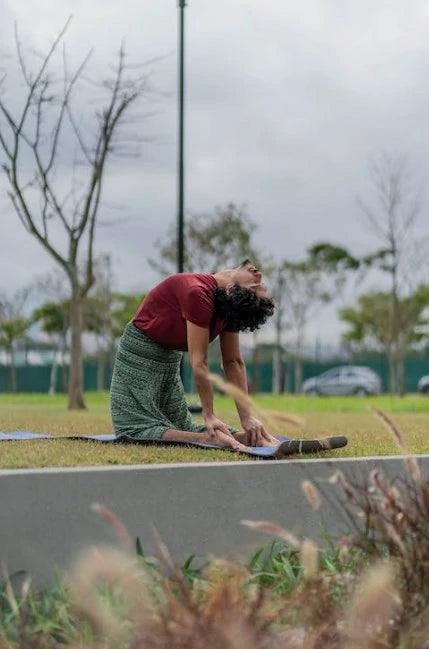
(295, 446)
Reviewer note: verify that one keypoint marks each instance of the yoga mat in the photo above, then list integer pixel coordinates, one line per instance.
(266, 452)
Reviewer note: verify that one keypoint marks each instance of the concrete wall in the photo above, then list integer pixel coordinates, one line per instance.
(46, 517)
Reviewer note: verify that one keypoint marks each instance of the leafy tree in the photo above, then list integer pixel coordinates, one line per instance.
(54, 318)
(105, 319)
(338, 262)
(330, 257)
(212, 242)
(106, 315)
(13, 327)
(123, 310)
(12, 331)
(97, 315)
(35, 142)
(279, 324)
(370, 324)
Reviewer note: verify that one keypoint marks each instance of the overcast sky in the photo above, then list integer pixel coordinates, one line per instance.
(286, 103)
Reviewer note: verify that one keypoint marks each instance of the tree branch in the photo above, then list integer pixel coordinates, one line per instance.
(33, 85)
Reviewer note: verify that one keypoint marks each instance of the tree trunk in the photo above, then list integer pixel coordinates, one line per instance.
(278, 370)
(101, 364)
(392, 372)
(255, 359)
(395, 322)
(76, 400)
(400, 369)
(298, 374)
(64, 379)
(299, 345)
(111, 360)
(400, 374)
(53, 376)
(12, 373)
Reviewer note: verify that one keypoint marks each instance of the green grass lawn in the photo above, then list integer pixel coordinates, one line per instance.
(350, 416)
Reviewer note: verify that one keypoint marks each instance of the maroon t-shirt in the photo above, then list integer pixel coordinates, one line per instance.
(186, 296)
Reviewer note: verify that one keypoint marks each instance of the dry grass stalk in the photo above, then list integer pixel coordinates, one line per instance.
(232, 390)
(309, 556)
(269, 419)
(165, 555)
(226, 607)
(287, 417)
(392, 428)
(312, 494)
(220, 612)
(339, 478)
(117, 525)
(223, 566)
(410, 461)
(26, 589)
(4, 642)
(413, 467)
(276, 530)
(125, 578)
(390, 521)
(11, 596)
(373, 608)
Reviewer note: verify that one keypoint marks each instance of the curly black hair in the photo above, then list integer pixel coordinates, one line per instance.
(241, 308)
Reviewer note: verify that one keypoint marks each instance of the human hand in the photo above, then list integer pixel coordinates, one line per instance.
(254, 433)
(218, 433)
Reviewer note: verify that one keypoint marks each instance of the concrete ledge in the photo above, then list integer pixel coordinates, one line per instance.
(46, 517)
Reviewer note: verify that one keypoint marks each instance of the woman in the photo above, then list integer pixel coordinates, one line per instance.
(185, 312)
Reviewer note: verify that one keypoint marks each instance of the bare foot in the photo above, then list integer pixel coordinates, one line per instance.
(244, 439)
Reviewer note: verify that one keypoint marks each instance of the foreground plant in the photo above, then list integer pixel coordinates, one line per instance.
(116, 599)
(367, 591)
(35, 620)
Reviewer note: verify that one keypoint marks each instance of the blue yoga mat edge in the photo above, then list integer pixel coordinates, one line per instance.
(257, 451)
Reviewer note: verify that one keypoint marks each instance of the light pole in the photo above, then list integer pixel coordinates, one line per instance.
(180, 157)
(180, 170)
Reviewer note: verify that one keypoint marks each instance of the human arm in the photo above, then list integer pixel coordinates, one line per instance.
(198, 344)
(235, 372)
(216, 437)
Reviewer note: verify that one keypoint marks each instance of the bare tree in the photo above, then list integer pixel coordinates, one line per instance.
(300, 290)
(392, 217)
(33, 140)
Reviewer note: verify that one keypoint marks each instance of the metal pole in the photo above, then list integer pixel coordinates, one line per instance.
(180, 165)
(180, 171)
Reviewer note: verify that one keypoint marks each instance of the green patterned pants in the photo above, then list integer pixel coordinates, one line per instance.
(146, 393)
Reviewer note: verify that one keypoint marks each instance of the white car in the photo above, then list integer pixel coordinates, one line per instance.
(346, 379)
(423, 384)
